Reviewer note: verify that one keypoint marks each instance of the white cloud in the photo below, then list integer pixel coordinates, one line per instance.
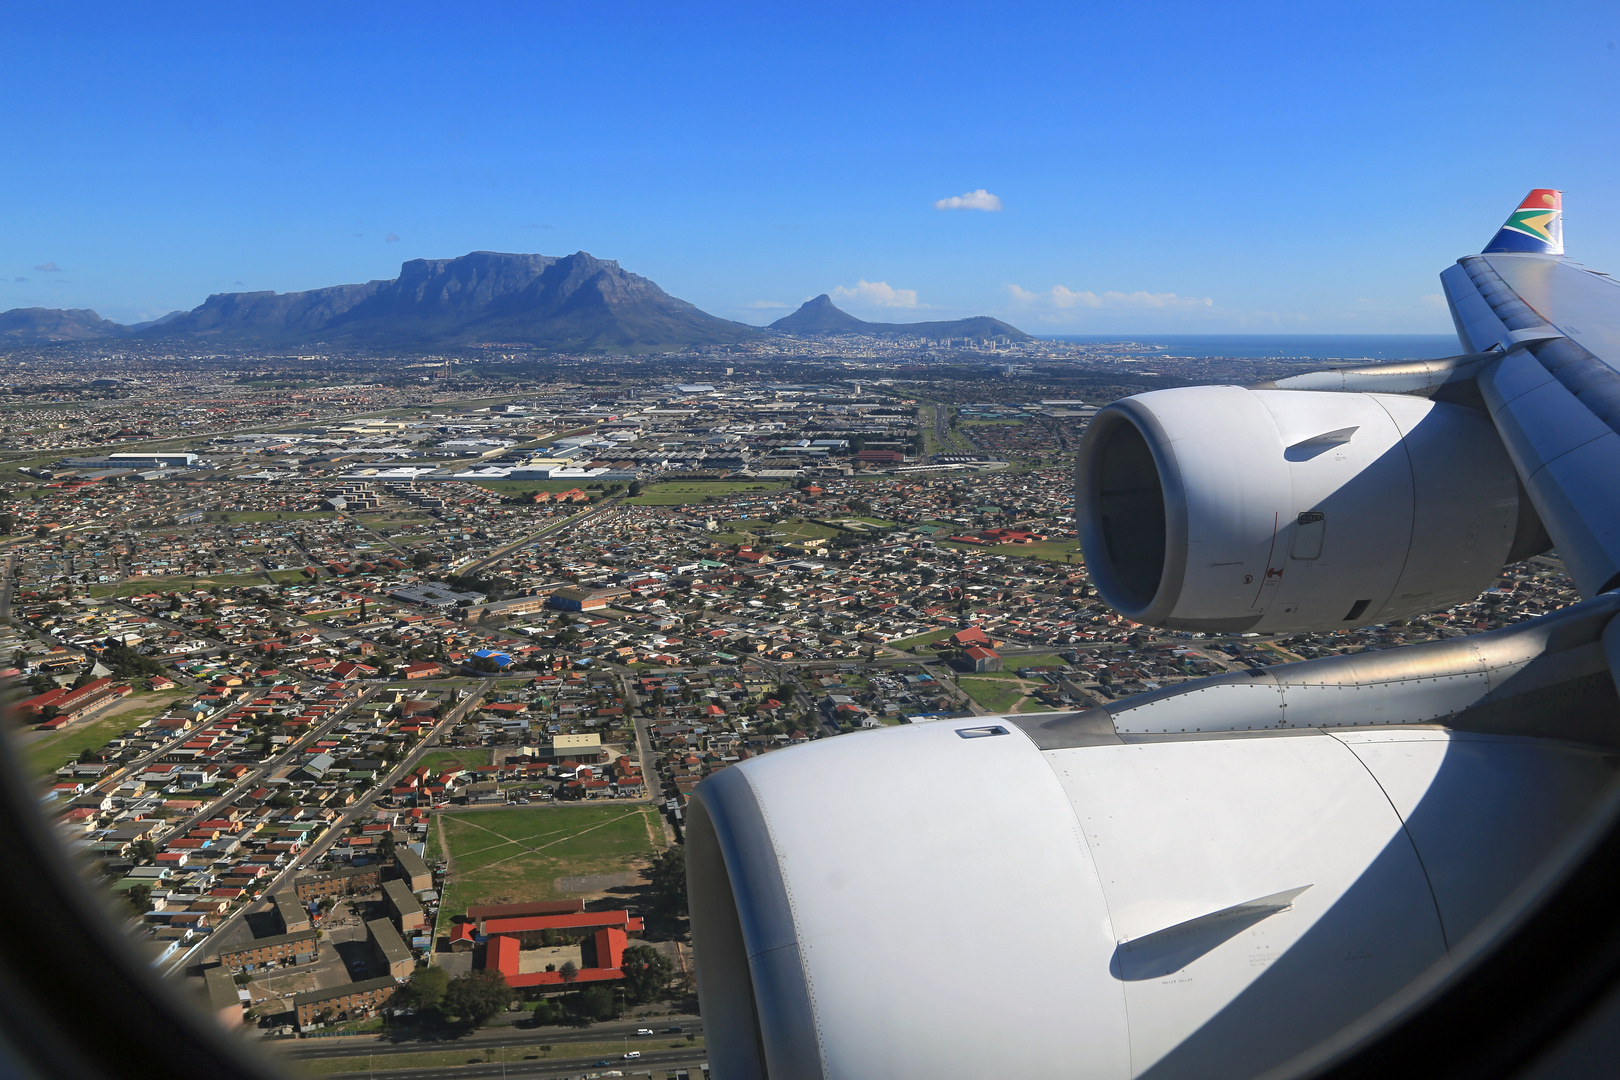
(391, 238)
(767, 304)
(48, 268)
(973, 200)
(1434, 300)
(877, 294)
(1060, 296)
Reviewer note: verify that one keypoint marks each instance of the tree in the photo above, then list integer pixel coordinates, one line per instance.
(477, 996)
(569, 971)
(426, 990)
(646, 972)
(140, 897)
(668, 874)
(144, 850)
(595, 1003)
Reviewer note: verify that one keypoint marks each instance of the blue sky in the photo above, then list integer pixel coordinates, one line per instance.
(1158, 167)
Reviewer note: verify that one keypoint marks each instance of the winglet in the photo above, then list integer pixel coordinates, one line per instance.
(1536, 227)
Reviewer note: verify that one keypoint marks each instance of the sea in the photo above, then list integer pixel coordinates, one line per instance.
(1286, 346)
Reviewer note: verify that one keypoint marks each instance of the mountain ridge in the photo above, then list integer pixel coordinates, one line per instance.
(55, 326)
(820, 317)
(567, 303)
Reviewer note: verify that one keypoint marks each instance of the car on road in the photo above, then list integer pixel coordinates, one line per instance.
(628, 1054)
(673, 1029)
(644, 1031)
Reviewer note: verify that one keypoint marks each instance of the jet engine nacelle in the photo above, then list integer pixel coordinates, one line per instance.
(1223, 509)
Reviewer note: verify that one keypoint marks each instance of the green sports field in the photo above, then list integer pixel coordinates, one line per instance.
(517, 854)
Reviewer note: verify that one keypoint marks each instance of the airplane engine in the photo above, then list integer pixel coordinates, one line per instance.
(1052, 895)
(1222, 509)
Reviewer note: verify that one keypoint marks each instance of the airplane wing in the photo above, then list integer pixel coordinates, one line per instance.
(1554, 395)
(1213, 878)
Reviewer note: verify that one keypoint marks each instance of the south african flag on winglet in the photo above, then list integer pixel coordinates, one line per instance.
(1536, 227)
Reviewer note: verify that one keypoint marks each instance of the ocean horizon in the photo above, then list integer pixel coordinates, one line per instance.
(1286, 346)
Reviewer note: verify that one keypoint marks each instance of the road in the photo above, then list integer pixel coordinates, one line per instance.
(7, 583)
(221, 935)
(484, 1038)
(258, 772)
(644, 754)
(560, 525)
(651, 1063)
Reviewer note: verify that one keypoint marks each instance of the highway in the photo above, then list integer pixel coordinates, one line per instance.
(485, 1038)
(651, 1063)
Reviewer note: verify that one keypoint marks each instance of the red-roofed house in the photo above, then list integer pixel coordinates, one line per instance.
(983, 659)
(461, 937)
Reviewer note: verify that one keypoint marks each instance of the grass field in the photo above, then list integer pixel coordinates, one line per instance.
(1050, 550)
(1042, 660)
(1011, 664)
(740, 530)
(468, 1055)
(997, 695)
(922, 639)
(688, 492)
(517, 854)
(48, 753)
(465, 757)
(139, 586)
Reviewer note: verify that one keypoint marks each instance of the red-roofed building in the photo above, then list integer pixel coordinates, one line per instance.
(530, 930)
(71, 705)
(971, 636)
(983, 659)
(503, 954)
(608, 944)
(462, 938)
(481, 913)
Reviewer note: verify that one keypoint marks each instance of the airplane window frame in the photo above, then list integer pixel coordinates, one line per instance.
(76, 998)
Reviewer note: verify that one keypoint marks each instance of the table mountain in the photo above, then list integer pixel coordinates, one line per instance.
(821, 318)
(573, 303)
